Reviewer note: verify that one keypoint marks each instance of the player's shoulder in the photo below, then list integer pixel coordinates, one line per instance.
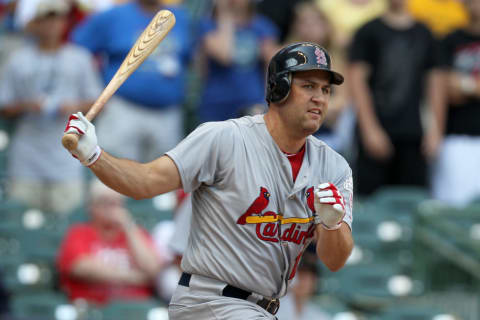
(322, 150)
(222, 129)
(248, 121)
(232, 128)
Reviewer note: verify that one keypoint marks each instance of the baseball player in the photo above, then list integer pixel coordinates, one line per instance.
(263, 189)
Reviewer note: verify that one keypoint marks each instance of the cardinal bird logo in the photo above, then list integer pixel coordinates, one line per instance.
(310, 198)
(258, 205)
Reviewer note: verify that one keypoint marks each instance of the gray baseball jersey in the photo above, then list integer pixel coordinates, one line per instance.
(250, 221)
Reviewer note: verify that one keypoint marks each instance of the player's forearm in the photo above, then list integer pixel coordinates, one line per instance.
(334, 247)
(135, 179)
(144, 255)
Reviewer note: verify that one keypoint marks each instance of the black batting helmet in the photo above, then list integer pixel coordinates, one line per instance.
(300, 56)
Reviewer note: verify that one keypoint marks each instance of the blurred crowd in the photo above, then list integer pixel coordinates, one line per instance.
(408, 114)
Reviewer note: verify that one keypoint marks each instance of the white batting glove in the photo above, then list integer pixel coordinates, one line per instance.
(329, 206)
(87, 150)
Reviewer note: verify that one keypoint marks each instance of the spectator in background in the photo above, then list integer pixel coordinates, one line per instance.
(171, 240)
(41, 84)
(153, 95)
(298, 304)
(99, 5)
(25, 9)
(280, 12)
(347, 16)
(10, 39)
(441, 16)
(310, 24)
(236, 43)
(456, 178)
(394, 64)
(109, 257)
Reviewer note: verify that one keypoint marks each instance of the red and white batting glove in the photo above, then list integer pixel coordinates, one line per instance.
(87, 150)
(329, 206)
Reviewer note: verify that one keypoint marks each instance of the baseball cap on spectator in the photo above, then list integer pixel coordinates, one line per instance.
(29, 10)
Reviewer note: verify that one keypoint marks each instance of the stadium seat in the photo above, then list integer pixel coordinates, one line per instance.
(47, 305)
(146, 213)
(413, 312)
(451, 244)
(371, 286)
(127, 310)
(400, 197)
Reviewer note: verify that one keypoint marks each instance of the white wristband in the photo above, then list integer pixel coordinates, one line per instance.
(93, 158)
(332, 228)
(316, 220)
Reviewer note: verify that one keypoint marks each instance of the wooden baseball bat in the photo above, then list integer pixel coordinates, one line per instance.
(158, 28)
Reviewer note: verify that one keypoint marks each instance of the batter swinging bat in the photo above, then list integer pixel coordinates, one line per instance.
(158, 28)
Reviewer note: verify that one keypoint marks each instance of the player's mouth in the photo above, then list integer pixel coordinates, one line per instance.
(316, 112)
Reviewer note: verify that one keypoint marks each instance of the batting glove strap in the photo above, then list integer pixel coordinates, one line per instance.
(93, 158)
(318, 220)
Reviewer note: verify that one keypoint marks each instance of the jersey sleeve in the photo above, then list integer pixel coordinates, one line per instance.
(205, 156)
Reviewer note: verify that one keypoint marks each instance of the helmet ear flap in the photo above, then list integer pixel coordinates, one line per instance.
(279, 88)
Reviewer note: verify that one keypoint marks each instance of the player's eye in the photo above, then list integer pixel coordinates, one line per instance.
(326, 90)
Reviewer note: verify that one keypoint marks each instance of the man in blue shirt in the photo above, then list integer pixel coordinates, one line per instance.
(153, 94)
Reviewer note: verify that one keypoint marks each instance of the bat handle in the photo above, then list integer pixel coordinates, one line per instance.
(70, 141)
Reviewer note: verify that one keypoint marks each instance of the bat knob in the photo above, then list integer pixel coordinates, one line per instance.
(70, 141)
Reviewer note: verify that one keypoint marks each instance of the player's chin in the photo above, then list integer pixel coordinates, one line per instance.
(312, 126)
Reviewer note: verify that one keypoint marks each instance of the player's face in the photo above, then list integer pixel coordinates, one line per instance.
(307, 104)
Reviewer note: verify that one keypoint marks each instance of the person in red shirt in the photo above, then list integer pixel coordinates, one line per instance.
(109, 257)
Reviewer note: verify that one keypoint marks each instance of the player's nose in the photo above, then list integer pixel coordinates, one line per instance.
(319, 97)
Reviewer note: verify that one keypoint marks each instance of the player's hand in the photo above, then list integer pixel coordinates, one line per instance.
(329, 206)
(377, 143)
(87, 150)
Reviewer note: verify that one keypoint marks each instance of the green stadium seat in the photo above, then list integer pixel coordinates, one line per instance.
(371, 286)
(28, 276)
(413, 312)
(47, 305)
(146, 213)
(400, 197)
(127, 310)
(451, 244)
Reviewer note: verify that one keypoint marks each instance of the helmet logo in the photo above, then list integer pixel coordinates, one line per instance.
(321, 58)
